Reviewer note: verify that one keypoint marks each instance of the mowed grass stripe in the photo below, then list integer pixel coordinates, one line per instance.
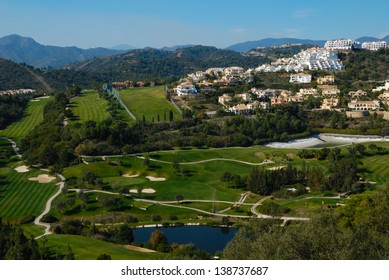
(20, 197)
(89, 106)
(32, 117)
(150, 102)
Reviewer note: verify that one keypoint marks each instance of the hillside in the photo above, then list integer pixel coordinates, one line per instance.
(26, 50)
(272, 42)
(17, 76)
(148, 64)
(275, 53)
(363, 69)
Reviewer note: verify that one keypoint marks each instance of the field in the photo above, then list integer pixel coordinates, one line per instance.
(149, 102)
(85, 248)
(19, 197)
(89, 106)
(32, 117)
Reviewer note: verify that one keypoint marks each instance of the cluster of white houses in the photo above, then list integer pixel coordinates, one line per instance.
(245, 105)
(311, 59)
(17, 91)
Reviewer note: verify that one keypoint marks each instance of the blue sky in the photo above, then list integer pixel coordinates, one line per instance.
(158, 23)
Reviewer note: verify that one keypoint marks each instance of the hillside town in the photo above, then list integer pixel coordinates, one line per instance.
(359, 103)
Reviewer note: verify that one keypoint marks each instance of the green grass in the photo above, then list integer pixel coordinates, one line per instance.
(89, 106)
(149, 102)
(85, 248)
(32, 117)
(20, 197)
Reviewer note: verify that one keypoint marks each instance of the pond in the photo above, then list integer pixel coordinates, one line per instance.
(210, 239)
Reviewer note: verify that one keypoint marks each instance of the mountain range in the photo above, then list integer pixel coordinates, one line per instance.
(26, 50)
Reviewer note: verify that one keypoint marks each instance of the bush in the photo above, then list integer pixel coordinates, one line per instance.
(49, 219)
(27, 219)
(156, 218)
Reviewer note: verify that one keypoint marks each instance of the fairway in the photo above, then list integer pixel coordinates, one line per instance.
(20, 197)
(32, 117)
(88, 106)
(86, 248)
(149, 102)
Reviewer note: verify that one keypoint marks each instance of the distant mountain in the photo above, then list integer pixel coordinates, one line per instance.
(26, 50)
(123, 47)
(367, 39)
(270, 42)
(386, 39)
(150, 64)
(174, 48)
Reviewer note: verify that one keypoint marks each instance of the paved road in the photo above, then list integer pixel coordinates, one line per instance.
(47, 209)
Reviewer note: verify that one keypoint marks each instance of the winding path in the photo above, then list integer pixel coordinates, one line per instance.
(48, 207)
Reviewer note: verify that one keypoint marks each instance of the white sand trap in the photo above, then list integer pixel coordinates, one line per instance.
(42, 178)
(130, 176)
(22, 169)
(138, 249)
(155, 179)
(149, 190)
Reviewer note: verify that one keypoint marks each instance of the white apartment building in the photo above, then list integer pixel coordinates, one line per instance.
(384, 95)
(374, 46)
(357, 94)
(300, 78)
(364, 105)
(186, 88)
(264, 92)
(341, 44)
(244, 96)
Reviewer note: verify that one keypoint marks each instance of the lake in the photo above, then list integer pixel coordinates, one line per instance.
(210, 239)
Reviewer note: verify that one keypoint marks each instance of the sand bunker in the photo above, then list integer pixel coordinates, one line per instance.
(149, 190)
(155, 179)
(138, 249)
(42, 178)
(130, 176)
(22, 169)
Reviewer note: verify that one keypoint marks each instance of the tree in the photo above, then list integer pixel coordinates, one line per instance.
(124, 235)
(104, 257)
(179, 198)
(157, 239)
(170, 115)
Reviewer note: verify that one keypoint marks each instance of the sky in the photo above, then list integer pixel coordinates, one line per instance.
(159, 23)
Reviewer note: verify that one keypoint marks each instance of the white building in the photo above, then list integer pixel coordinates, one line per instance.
(373, 46)
(186, 88)
(224, 99)
(327, 90)
(308, 91)
(384, 95)
(329, 103)
(234, 71)
(300, 78)
(244, 96)
(357, 94)
(264, 92)
(341, 44)
(364, 105)
(330, 79)
(385, 87)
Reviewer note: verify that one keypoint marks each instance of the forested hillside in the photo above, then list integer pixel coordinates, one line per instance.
(149, 64)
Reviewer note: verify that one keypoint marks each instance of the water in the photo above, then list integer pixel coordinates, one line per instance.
(210, 239)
